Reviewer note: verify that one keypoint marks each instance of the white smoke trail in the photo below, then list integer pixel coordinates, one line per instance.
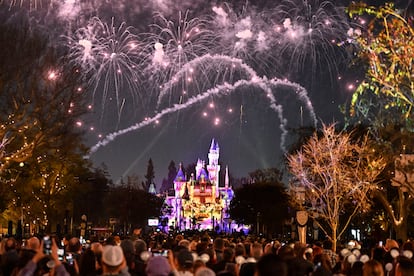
(223, 89)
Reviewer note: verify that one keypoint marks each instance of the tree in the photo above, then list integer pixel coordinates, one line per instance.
(168, 183)
(10, 159)
(41, 103)
(263, 204)
(132, 205)
(89, 196)
(149, 176)
(272, 175)
(336, 173)
(383, 102)
(190, 169)
(396, 189)
(387, 47)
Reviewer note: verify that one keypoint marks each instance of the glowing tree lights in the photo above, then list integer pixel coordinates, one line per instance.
(383, 102)
(42, 101)
(388, 48)
(13, 155)
(337, 172)
(397, 205)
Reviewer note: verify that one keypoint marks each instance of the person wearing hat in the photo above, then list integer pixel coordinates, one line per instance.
(113, 261)
(157, 266)
(181, 262)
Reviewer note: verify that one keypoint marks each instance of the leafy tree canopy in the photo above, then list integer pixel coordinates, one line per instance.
(132, 205)
(265, 200)
(387, 46)
(40, 103)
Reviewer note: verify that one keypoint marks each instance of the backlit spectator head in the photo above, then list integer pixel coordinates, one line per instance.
(158, 266)
(372, 268)
(112, 259)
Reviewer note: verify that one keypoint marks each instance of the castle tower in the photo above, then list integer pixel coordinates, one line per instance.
(199, 202)
(213, 155)
(179, 181)
(199, 168)
(213, 166)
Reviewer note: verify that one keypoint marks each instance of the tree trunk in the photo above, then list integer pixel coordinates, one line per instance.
(334, 238)
(401, 230)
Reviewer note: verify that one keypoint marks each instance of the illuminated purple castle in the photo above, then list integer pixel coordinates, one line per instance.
(199, 202)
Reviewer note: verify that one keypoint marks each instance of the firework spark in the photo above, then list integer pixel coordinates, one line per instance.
(308, 34)
(181, 60)
(26, 4)
(110, 55)
(173, 44)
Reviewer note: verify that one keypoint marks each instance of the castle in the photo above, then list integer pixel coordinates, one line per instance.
(199, 202)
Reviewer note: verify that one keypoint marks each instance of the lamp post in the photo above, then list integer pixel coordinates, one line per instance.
(83, 226)
(212, 219)
(301, 216)
(258, 223)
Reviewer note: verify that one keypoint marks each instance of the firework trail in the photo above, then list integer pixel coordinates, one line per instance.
(263, 84)
(290, 37)
(217, 64)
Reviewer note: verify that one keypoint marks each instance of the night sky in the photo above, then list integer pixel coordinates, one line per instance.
(229, 52)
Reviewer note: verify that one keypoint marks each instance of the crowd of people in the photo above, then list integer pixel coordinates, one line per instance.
(201, 255)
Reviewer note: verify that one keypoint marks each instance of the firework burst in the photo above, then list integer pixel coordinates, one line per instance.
(27, 4)
(308, 34)
(244, 35)
(110, 56)
(172, 44)
(174, 60)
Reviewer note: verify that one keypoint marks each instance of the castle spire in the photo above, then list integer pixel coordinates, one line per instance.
(213, 166)
(180, 174)
(213, 144)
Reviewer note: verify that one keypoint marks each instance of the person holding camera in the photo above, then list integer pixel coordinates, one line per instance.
(45, 260)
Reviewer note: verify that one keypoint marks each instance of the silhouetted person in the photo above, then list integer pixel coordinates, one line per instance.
(404, 267)
(271, 264)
